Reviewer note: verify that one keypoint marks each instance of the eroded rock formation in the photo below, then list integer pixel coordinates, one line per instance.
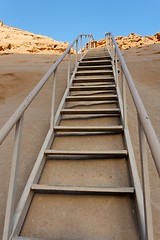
(133, 40)
(13, 40)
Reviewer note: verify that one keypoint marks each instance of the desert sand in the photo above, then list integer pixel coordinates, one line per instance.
(19, 73)
(144, 66)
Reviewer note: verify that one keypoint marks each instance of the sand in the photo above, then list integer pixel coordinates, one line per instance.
(144, 65)
(19, 73)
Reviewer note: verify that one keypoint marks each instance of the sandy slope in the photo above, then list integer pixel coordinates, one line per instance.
(20, 72)
(144, 66)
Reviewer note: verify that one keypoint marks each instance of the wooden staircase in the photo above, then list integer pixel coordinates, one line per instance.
(87, 186)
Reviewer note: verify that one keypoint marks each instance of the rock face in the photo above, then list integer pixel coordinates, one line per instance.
(133, 40)
(1, 23)
(15, 40)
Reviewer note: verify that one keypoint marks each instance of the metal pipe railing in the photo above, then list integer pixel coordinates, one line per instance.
(150, 134)
(24, 105)
(16, 120)
(146, 132)
(145, 127)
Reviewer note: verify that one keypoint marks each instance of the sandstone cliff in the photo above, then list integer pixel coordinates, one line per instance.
(133, 40)
(13, 40)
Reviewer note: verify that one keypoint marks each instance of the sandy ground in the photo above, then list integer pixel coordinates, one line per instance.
(19, 73)
(144, 66)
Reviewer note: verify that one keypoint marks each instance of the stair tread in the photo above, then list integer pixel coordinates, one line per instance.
(43, 188)
(93, 67)
(109, 153)
(91, 98)
(86, 111)
(90, 88)
(95, 61)
(96, 57)
(92, 79)
(109, 129)
(25, 238)
(93, 82)
(96, 77)
(95, 71)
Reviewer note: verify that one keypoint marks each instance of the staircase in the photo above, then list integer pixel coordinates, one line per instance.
(85, 183)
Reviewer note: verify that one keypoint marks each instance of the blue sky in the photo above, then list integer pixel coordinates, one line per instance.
(64, 20)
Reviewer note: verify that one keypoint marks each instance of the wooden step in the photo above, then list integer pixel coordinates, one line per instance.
(90, 111)
(106, 153)
(92, 88)
(95, 62)
(91, 98)
(51, 189)
(108, 129)
(94, 72)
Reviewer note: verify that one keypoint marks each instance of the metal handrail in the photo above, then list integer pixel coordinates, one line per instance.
(17, 120)
(146, 129)
(4, 131)
(146, 135)
(149, 131)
